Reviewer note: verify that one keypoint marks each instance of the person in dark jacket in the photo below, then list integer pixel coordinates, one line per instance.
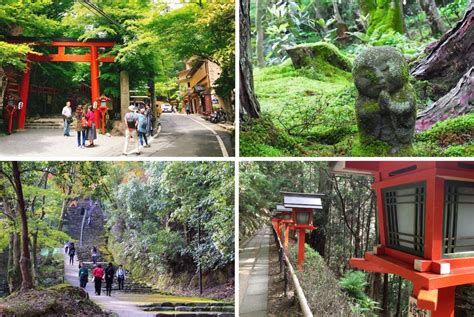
(72, 253)
(109, 279)
(83, 275)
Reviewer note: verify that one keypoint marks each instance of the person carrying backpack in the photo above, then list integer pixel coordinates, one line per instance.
(72, 253)
(83, 275)
(142, 129)
(120, 276)
(131, 123)
(109, 279)
(98, 274)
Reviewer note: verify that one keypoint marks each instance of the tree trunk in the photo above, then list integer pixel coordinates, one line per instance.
(399, 297)
(449, 58)
(432, 14)
(384, 15)
(385, 311)
(25, 262)
(459, 101)
(320, 221)
(341, 25)
(34, 257)
(14, 275)
(248, 100)
(261, 7)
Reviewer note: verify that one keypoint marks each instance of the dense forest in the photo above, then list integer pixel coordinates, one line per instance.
(356, 78)
(153, 41)
(163, 221)
(346, 227)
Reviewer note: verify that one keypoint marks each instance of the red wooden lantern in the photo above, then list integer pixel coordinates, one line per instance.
(283, 219)
(13, 105)
(102, 103)
(426, 215)
(302, 205)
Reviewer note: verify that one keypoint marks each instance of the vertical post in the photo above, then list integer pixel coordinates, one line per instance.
(287, 233)
(95, 81)
(199, 246)
(25, 85)
(301, 239)
(445, 307)
(124, 93)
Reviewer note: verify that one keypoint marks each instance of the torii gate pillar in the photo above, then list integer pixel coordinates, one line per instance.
(25, 85)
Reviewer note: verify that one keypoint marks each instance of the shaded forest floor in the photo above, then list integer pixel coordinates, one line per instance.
(311, 112)
(278, 303)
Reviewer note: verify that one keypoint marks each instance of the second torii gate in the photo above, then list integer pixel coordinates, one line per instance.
(92, 57)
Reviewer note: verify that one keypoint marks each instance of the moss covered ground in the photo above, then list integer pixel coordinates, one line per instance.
(310, 112)
(59, 300)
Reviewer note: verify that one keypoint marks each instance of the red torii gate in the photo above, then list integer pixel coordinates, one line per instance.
(92, 57)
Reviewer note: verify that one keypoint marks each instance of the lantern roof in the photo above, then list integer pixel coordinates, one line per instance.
(282, 208)
(302, 200)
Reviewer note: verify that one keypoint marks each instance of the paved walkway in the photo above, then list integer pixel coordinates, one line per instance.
(116, 303)
(253, 275)
(180, 135)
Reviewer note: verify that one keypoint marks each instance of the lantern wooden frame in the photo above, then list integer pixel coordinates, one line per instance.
(434, 276)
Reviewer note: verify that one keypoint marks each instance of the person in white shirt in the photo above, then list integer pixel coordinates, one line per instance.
(67, 117)
(120, 273)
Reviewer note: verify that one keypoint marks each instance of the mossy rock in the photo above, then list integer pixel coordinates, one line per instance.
(59, 300)
(310, 55)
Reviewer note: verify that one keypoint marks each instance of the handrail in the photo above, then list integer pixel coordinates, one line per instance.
(306, 310)
(82, 226)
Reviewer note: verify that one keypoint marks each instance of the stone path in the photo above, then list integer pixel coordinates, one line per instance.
(253, 275)
(180, 136)
(117, 303)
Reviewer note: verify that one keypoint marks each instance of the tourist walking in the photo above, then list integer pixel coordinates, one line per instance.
(149, 120)
(91, 128)
(81, 126)
(142, 129)
(94, 255)
(188, 108)
(109, 278)
(67, 117)
(72, 253)
(98, 274)
(131, 122)
(120, 277)
(66, 247)
(83, 275)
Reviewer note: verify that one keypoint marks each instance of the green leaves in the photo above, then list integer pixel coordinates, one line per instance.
(161, 218)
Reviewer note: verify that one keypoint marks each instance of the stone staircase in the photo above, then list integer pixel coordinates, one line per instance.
(202, 309)
(51, 122)
(93, 235)
(76, 219)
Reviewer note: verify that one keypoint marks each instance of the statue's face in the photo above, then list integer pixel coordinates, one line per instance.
(379, 68)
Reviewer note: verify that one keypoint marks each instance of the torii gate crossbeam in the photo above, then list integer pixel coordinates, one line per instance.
(92, 57)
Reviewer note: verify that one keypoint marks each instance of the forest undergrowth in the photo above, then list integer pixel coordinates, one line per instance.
(310, 111)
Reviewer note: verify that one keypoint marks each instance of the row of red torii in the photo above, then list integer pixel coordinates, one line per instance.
(425, 219)
(92, 57)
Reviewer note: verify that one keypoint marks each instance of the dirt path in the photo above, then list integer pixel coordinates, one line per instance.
(119, 303)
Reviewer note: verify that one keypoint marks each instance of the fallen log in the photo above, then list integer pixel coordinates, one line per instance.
(449, 58)
(459, 101)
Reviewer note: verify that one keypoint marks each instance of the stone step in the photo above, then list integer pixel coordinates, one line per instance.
(193, 314)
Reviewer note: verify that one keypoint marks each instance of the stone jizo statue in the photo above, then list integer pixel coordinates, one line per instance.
(385, 107)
